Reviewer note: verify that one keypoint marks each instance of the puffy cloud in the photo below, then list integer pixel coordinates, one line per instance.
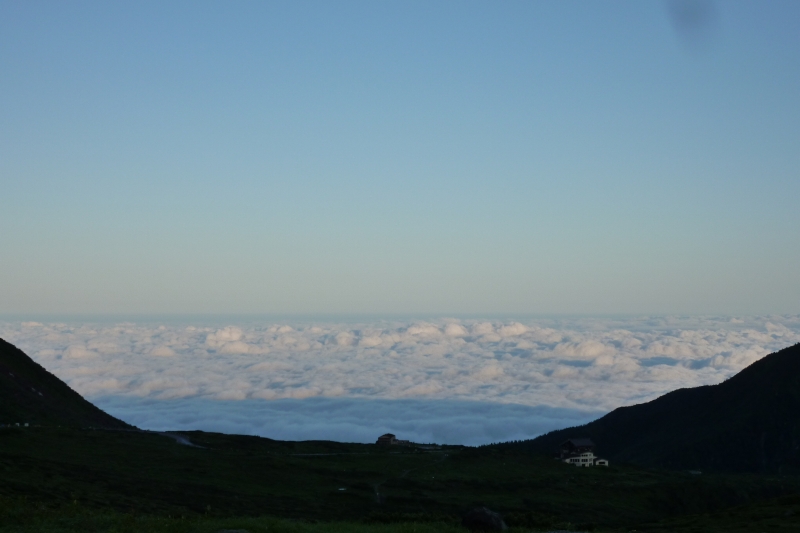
(572, 364)
(224, 335)
(371, 341)
(231, 340)
(491, 371)
(604, 360)
(102, 346)
(482, 328)
(583, 350)
(270, 366)
(423, 389)
(424, 330)
(236, 347)
(162, 351)
(345, 338)
(455, 330)
(511, 330)
(76, 351)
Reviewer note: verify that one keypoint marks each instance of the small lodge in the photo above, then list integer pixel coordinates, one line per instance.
(389, 440)
(580, 452)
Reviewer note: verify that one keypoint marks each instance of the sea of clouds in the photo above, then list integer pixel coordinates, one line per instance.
(449, 380)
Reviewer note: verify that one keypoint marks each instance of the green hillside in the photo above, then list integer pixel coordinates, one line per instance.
(749, 423)
(30, 394)
(229, 476)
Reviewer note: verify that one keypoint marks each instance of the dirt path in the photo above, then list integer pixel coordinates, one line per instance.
(180, 439)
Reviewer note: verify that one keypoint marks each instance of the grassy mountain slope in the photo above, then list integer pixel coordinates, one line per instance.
(237, 476)
(749, 423)
(29, 393)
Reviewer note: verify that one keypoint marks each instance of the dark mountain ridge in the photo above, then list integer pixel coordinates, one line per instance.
(31, 394)
(749, 423)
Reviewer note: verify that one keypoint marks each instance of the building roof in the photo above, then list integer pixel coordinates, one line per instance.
(387, 436)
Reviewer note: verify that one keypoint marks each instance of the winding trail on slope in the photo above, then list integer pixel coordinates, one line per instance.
(180, 439)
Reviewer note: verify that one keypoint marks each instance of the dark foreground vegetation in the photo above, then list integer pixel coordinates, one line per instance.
(69, 479)
(773, 516)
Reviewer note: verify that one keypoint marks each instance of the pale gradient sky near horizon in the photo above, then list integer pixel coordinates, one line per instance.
(399, 157)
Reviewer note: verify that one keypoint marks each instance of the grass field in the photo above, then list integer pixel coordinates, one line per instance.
(22, 516)
(60, 479)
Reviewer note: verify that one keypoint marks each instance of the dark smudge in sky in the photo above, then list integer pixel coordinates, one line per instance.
(694, 21)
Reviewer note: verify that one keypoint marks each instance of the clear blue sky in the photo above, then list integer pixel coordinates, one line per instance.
(399, 157)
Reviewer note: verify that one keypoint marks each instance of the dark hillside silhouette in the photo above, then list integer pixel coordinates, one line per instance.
(749, 423)
(31, 394)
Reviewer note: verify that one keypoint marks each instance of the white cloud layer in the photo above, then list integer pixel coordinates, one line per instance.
(449, 380)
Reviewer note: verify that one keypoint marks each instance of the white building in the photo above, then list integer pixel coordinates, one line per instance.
(580, 452)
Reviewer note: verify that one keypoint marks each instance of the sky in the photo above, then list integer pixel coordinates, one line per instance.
(457, 221)
(387, 158)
